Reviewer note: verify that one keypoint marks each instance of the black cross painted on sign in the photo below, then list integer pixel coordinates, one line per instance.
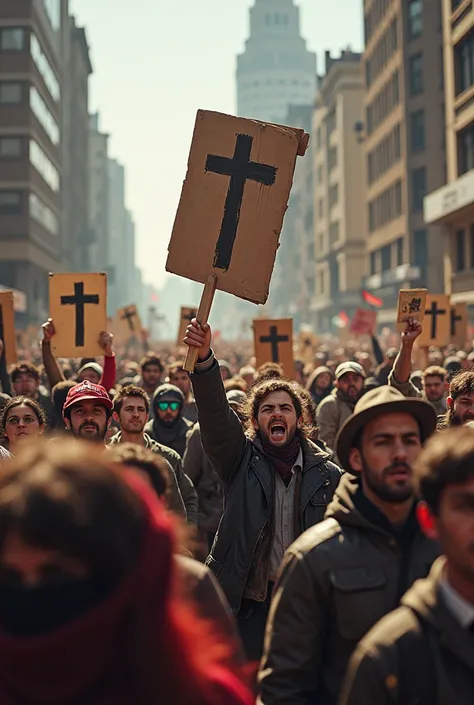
(79, 300)
(189, 316)
(454, 320)
(129, 314)
(240, 169)
(274, 339)
(434, 312)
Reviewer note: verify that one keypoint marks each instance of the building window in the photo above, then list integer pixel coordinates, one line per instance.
(373, 263)
(12, 39)
(416, 74)
(418, 131)
(386, 253)
(44, 116)
(10, 147)
(418, 189)
(334, 232)
(420, 248)
(11, 93)
(44, 166)
(465, 141)
(464, 63)
(399, 247)
(44, 67)
(460, 242)
(321, 208)
(333, 195)
(53, 10)
(40, 212)
(415, 17)
(10, 202)
(332, 158)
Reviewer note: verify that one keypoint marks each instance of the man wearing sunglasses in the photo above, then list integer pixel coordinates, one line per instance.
(168, 425)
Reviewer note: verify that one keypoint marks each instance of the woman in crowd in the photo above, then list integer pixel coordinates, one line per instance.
(89, 611)
(22, 418)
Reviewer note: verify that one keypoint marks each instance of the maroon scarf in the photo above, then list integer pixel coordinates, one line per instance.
(283, 459)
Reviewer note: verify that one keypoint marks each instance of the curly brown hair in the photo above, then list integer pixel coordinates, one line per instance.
(260, 390)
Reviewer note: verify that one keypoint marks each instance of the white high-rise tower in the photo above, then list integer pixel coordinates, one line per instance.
(276, 69)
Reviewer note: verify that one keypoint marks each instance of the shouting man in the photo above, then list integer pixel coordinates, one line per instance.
(276, 482)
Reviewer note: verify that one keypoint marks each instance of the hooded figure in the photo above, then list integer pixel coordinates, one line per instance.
(168, 426)
(320, 384)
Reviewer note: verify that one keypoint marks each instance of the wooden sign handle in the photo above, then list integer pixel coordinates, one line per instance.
(202, 318)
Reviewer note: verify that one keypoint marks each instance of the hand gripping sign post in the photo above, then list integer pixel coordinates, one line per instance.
(273, 342)
(78, 307)
(232, 205)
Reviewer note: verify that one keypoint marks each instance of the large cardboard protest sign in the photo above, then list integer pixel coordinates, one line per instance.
(437, 321)
(7, 326)
(232, 206)
(78, 307)
(186, 315)
(127, 324)
(273, 341)
(459, 324)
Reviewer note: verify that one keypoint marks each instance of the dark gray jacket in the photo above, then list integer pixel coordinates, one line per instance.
(240, 556)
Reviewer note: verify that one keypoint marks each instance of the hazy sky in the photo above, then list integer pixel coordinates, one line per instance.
(155, 63)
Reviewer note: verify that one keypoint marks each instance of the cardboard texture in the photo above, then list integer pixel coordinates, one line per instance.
(459, 324)
(411, 304)
(437, 321)
(307, 345)
(7, 326)
(364, 322)
(233, 202)
(78, 307)
(186, 315)
(273, 341)
(127, 324)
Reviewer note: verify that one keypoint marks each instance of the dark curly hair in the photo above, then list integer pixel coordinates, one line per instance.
(260, 390)
(21, 401)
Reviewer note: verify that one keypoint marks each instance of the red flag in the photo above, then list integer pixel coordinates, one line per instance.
(371, 299)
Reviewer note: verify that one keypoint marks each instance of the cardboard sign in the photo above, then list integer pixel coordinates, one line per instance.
(186, 316)
(307, 344)
(7, 326)
(233, 202)
(459, 324)
(127, 324)
(273, 340)
(364, 322)
(78, 307)
(437, 321)
(411, 305)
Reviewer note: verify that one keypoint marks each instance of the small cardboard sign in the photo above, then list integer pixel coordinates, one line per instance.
(364, 322)
(411, 305)
(459, 324)
(7, 326)
(127, 324)
(307, 344)
(78, 307)
(273, 341)
(233, 202)
(185, 317)
(437, 322)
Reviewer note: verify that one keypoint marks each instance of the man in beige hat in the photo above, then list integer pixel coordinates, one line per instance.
(342, 575)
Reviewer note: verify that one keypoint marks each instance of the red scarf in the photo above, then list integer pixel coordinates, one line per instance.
(283, 459)
(95, 659)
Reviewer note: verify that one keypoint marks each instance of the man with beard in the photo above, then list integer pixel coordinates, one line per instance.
(340, 577)
(424, 651)
(131, 408)
(319, 384)
(276, 482)
(338, 406)
(180, 378)
(460, 399)
(168, 426)
(87, 411)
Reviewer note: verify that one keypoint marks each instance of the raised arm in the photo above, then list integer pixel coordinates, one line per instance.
(53, 371)
(400, 375)
(222, 435)
(110, 369)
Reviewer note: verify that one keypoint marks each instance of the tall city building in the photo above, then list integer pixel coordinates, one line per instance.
(404, 144)
(98, 208)
(452, 206)
(336, 258)
(77, 236)
(30, 149)
(117, 228)
(276, 69)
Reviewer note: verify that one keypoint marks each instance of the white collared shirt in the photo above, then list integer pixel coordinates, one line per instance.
(284, 507)
(457, 604)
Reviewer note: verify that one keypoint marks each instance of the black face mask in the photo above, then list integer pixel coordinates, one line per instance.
(28, 611)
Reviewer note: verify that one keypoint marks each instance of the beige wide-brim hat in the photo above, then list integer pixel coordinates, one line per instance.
(379, 401)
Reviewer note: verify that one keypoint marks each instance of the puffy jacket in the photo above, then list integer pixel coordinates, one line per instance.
(336, 581)
(240, 556)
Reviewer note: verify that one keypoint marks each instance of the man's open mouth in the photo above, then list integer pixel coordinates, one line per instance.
(277, 431)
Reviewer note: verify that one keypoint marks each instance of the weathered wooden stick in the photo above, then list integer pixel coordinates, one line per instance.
(202, 317)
